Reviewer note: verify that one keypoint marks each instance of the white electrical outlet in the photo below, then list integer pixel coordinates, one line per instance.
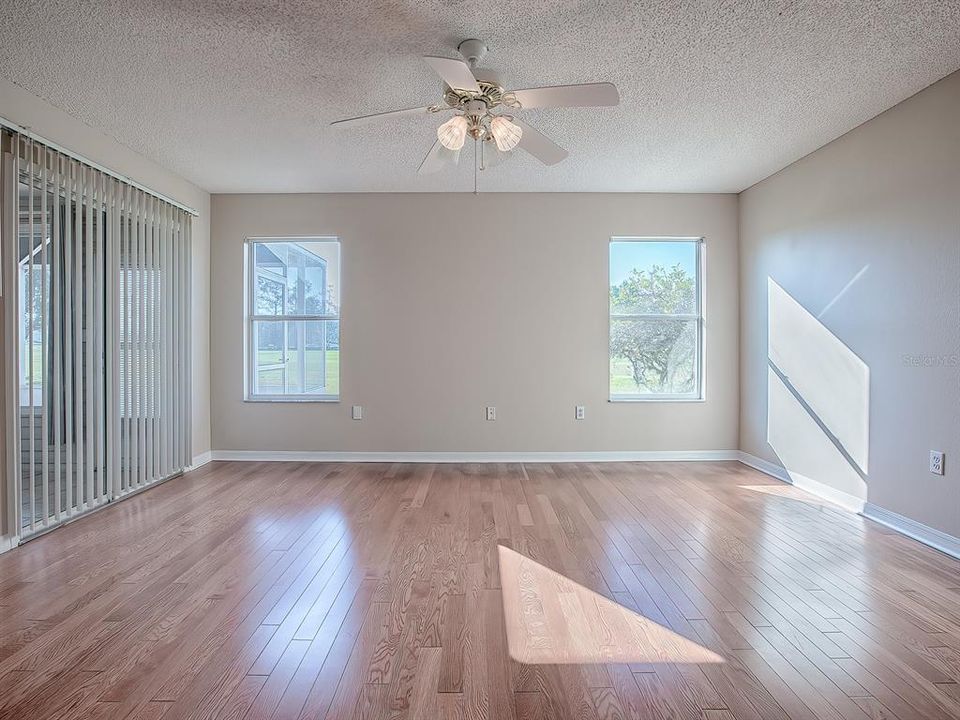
(936, 462)
(357, 412)
(491, 413)
(580, 412)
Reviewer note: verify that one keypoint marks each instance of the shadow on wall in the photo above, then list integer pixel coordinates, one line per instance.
(818, 403)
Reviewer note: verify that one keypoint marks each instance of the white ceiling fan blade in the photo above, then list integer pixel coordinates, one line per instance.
(491, 156)
(437, 159)
(364, 119)
(588, 95)
(539, 145)
(455, 73)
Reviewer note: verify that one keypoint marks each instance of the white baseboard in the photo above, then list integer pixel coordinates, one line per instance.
(814, 487)
(911, 528)
(837, 497)
(765, 466)
(199, 461)
(476, 457)
(8, 542)
(918, 531)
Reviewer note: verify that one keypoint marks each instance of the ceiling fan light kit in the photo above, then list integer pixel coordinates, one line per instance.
(479, 99)
(453, 133)
(506, 134)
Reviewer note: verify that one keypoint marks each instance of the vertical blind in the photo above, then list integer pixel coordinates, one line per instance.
(100, 274)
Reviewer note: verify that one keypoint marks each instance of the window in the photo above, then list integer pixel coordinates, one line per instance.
(293, 319)
(656, 319)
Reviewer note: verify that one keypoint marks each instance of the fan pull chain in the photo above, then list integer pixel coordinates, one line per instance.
(476, 162)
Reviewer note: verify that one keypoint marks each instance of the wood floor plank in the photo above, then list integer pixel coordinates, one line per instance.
(334, 641)
(690, 591)
(274, 686)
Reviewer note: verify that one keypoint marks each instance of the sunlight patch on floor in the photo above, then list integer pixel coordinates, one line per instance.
(790, 493)
(553, 620)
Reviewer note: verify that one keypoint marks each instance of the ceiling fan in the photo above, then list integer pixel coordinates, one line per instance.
(484, 110)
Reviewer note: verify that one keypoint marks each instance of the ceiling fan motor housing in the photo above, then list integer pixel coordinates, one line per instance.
(475, 107)
(490, 96)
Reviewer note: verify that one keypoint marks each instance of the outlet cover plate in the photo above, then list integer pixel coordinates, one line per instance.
(936, 462)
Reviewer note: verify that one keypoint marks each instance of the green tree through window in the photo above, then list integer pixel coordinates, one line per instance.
(654, 330)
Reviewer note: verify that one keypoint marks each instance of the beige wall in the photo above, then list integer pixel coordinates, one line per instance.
(453, 302)
(850, 286)
(42, 118)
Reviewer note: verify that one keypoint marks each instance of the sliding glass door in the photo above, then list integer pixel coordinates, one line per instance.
(59, 260)
(152, 343)
(96, 291)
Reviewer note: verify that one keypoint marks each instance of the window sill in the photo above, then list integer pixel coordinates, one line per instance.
(627, 399)
(294, 399)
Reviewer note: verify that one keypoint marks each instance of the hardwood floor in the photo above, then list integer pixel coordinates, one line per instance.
(595, 591)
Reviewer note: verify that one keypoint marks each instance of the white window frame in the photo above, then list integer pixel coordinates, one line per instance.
(698, 394)
(250, 317)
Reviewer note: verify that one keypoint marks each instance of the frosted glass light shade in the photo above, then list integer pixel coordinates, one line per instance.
(453, 132)
(505, 133)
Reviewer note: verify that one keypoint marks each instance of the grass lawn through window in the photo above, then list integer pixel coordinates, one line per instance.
(270, 382)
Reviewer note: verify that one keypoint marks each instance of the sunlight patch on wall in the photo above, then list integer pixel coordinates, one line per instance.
(551, 619)
(818, 402)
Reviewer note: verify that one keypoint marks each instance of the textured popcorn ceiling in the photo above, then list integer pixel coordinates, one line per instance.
(237, 96)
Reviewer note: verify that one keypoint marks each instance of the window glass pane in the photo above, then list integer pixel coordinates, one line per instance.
(296, 357)
(296, 278)
(657, 357)
(650, 277)
(35, 306)
(32, 316)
